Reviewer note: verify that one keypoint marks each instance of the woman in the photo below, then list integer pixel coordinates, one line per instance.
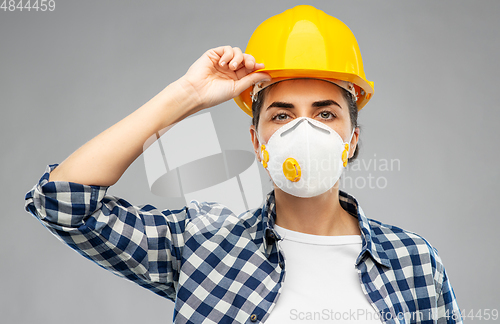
(221, 267)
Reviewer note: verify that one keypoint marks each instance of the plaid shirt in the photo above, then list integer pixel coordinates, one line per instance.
(224, 268)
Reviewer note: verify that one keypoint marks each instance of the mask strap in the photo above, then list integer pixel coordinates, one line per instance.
(345, 158)
(352, 134)
(258, 137)
(264, 155)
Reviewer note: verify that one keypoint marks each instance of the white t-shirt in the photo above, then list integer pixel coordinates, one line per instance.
(321, 282)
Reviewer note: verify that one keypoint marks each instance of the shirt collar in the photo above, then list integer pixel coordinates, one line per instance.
(371, 244)
(268, 219)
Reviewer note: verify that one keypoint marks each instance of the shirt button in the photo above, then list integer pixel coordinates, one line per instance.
(253, 317)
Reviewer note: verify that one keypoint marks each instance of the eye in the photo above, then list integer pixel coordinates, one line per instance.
(280, 116)
(326, 114)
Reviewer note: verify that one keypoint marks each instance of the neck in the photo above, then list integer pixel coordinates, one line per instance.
(320, 215)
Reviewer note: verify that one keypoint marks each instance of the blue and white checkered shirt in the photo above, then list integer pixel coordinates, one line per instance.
(224, 268)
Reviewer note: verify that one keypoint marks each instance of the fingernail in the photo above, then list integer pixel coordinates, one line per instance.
(235, 65)
(222, 63)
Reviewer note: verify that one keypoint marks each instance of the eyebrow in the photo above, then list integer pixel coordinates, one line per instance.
(316, 104)
(324, 103)
(281, 104)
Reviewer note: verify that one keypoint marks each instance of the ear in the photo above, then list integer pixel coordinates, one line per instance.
(354, 142)
(255, 142)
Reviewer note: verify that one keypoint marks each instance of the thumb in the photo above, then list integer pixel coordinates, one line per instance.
(249, 80)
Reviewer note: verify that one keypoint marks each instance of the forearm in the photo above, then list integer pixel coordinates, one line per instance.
(217, 76)
(104, 159)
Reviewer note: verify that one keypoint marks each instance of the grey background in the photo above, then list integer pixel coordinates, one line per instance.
(67, 75)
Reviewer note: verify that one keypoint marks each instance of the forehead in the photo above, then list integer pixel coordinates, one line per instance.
(304, 90)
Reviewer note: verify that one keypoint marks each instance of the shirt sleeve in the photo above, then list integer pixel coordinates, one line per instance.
(448, 311)
(139, 243)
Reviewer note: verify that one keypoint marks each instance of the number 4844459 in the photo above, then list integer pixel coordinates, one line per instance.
(29, 5)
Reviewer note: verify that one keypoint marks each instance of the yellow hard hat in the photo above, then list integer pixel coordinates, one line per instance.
(304, 42)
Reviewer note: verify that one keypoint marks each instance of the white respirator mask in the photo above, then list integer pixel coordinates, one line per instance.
(305, 157)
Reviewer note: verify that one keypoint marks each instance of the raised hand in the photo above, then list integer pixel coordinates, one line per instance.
(218, 75)
(221, 74)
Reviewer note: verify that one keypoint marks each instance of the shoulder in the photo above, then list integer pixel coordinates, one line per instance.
(387, 233)
(213, 215)
(405, 248)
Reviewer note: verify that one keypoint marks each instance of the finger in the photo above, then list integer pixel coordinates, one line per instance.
(249, 61)
(259, 66)
(227, 55)
(237, 59)
(250, 80)
(243, 71)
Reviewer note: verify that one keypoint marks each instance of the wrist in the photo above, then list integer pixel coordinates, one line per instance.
(185, 94)
(174, 103)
